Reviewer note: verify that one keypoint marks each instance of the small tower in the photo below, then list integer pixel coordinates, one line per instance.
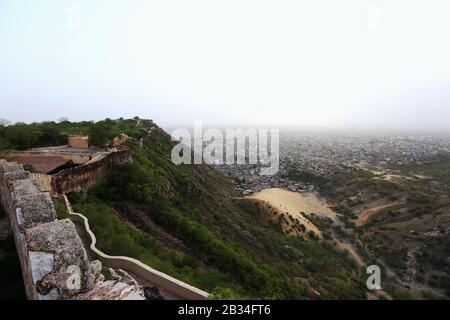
(78, 141)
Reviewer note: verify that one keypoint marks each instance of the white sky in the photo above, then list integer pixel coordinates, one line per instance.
(280, 63)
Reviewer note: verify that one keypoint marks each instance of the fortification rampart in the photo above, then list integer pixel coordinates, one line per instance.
(43, 181)
(169, 286)
(53, 259)
(83, 177)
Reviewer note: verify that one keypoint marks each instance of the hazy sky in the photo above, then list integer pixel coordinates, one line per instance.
(298, 63)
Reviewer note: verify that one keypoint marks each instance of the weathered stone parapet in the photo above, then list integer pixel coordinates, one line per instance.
(70, 271)
(35, 209)
(54, 261)
(44, 181)
(17, 175)
(83, 177)
(50, 251)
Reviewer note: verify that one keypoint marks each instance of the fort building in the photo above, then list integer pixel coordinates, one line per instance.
(78, 141)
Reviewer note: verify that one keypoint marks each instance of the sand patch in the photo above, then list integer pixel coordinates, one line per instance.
(291, 204)
(388, 175)
(393, 177)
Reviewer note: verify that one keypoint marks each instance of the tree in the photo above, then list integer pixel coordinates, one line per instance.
(50, 135)
(4, 123)
(100, 133)
(4, 145)
(22, 136)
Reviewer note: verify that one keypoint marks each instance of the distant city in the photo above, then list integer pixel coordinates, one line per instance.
(322, 154)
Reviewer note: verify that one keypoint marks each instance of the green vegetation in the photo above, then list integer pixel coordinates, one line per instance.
(101, 132)
(60, 208)
(439, 170)
(187, 222)
(29, 167)
(220, 245)
(4, 145)
(23, 136)
(11, 274)
(115, 237)
(418, 191)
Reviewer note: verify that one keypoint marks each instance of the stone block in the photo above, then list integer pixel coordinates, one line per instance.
(21, 188)
(10, 167)
(36, 209)
(71, 271)
(16, 175)
(41, 264)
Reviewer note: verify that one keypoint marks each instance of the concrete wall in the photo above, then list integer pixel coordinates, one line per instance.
(50, 251)
(83, 177)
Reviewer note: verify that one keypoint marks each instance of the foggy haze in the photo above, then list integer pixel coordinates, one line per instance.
(316, 64)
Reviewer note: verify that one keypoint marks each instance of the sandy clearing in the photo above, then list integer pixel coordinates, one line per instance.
(422, 177)
(292, 203)
(389, 175)
(295, 202)
(392, 177)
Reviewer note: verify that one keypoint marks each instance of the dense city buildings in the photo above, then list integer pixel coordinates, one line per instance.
(325, 153)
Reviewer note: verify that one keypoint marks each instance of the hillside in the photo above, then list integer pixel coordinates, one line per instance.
(187, 222)
(400, 218)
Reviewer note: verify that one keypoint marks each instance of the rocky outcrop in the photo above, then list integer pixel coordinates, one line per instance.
(54, 261)
(119, 140)
(122, 287)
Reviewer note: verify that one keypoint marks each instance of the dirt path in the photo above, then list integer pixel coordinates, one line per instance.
(365, 215)
(351, 249)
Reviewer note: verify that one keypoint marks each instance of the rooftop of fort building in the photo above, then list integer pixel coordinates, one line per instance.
(43, 164)
(78, 151)
(52, 159)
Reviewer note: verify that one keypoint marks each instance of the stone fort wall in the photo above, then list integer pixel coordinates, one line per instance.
(52, 256)
(83, 177)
